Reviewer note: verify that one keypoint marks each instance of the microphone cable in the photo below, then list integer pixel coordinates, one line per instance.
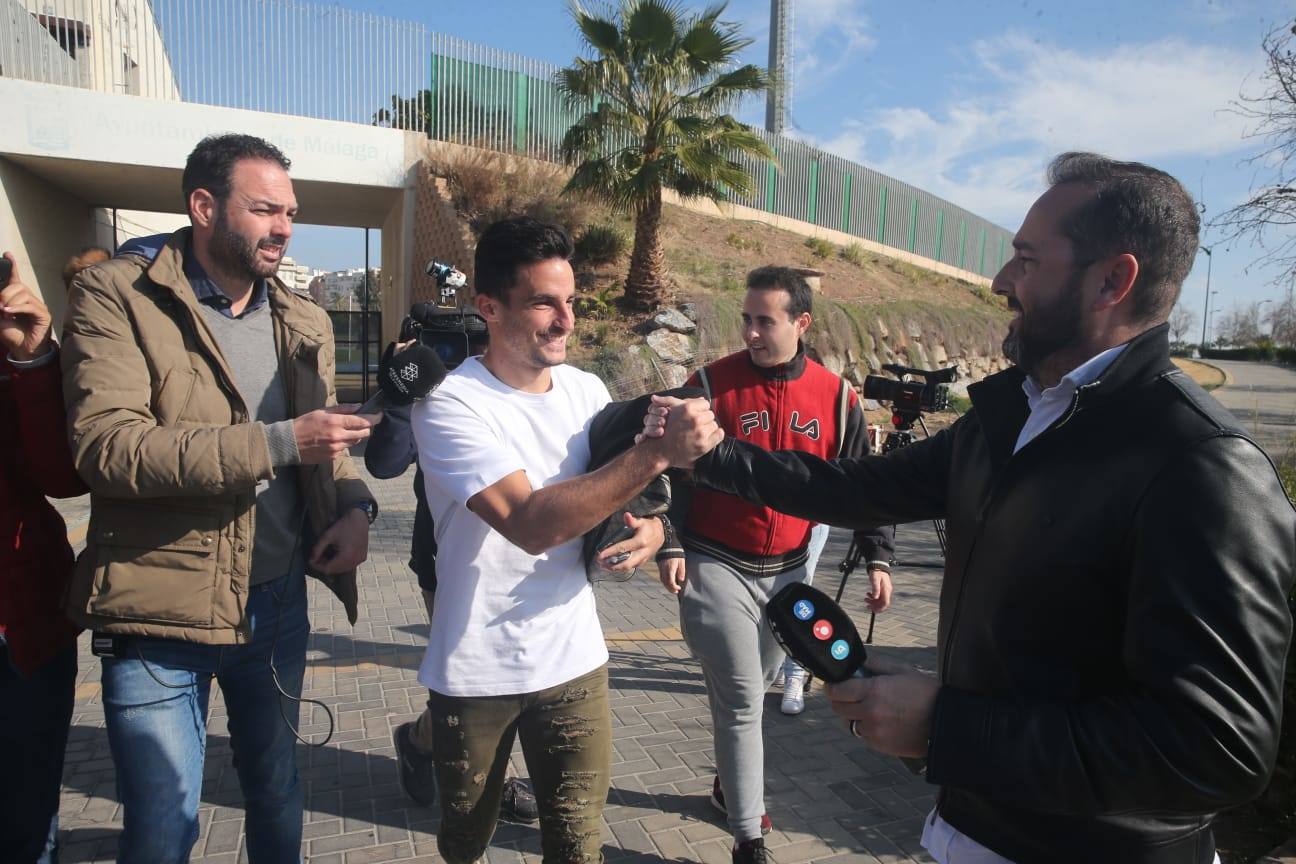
(274, 676)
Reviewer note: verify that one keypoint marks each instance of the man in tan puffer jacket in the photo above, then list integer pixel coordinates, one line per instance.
(202, 415)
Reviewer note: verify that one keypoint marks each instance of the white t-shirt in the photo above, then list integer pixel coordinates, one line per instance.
(505, 622)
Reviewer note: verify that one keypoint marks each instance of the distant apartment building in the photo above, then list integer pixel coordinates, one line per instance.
(297, 277)
(341, 289)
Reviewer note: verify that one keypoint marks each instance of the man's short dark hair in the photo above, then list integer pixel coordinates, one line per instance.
(1136, 209)
(509, 244)
(772, 277)
(211, 164)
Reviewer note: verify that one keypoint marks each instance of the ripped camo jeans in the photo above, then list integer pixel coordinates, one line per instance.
(566, 734)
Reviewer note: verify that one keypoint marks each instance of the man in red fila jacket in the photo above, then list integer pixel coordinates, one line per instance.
(737, 555)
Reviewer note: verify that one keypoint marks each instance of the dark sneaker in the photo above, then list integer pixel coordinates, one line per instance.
(751, 852)
(417, 771)
(717, 801)
(517, 803)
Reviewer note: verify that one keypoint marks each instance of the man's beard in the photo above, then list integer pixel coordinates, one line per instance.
(1047, 330)
(236, 255)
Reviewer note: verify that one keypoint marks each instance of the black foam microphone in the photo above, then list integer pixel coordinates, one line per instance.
(405, 377)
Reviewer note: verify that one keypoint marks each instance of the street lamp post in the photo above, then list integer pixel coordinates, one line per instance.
(1215, 310)
(1206, 310)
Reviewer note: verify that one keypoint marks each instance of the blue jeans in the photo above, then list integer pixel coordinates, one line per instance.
(34, 715)
(155, 703)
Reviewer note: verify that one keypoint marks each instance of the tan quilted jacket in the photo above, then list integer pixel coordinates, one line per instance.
(162, 437)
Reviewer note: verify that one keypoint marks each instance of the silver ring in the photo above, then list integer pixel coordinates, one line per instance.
(853, 730)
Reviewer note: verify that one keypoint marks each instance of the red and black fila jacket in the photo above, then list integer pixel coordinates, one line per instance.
(798, 405)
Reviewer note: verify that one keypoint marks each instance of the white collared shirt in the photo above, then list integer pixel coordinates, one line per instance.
(1046, 406)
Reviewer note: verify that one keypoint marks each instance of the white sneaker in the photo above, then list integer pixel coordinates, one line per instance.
(778, 679)
(794, 693)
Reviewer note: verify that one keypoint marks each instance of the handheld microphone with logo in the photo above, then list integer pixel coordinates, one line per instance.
(405, 377)
(821, 637)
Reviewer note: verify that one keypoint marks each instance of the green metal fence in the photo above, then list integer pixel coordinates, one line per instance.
(309, 60)
(501, 101)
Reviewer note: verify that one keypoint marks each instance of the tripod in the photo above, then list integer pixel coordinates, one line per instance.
(900, 435)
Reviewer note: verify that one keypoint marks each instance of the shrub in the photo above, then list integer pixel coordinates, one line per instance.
(853, 254)
(486, 186)
(743, 244)
(606, 363)
(601, 244)
(598, 304)
(819, 247)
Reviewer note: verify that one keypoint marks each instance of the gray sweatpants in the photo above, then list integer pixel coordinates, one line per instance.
(722, 616)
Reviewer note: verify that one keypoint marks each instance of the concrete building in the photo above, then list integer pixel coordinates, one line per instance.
(340, 289)
(296, 276)
(111, 46)
(96, 134)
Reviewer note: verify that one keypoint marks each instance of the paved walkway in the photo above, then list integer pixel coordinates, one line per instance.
(830, 798)
(1263, 397)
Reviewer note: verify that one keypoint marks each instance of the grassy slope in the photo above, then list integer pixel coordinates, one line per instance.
(866, 301)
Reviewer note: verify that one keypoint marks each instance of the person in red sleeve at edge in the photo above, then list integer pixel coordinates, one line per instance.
(38, 662)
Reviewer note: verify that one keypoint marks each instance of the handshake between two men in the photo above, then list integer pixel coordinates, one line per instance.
(891, 710)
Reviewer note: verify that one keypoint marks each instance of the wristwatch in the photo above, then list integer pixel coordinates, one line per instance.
(370, 508)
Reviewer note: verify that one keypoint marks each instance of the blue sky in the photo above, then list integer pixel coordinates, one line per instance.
(970, 99)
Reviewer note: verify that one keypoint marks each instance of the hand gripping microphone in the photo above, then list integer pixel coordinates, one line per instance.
(819, 635)
(404, 377)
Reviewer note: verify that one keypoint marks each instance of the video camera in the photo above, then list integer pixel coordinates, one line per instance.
(453, 333)
(909, 398)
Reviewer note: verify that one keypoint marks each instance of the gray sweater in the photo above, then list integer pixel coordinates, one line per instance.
(249, 348)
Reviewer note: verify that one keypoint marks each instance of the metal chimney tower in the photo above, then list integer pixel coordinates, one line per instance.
(779, 97)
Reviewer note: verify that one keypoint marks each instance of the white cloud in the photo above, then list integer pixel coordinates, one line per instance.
(1024, 101)
(828, 35)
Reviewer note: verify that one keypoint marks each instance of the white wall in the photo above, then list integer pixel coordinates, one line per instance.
(42, 227)
(70, 123)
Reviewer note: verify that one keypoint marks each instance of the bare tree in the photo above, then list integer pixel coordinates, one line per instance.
(1240, 326)
(1181, 322)
(1268, 216)
(1282, 320)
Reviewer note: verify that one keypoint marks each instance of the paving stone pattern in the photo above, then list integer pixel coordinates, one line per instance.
(831, 799)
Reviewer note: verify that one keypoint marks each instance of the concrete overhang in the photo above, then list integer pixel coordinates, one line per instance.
(111, 150)
(157, 189)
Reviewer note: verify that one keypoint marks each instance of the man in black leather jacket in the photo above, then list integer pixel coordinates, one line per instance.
(1113, 617)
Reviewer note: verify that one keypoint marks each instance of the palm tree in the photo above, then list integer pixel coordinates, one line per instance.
(657, 94)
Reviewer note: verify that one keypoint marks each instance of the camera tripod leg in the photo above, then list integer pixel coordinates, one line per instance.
(939, 525)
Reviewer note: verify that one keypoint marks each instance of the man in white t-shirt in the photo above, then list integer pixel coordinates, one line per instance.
(515, 644)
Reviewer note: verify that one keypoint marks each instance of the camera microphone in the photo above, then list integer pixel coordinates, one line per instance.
(405, 377)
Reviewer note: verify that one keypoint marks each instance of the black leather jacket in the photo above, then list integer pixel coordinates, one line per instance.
(1113, 617)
